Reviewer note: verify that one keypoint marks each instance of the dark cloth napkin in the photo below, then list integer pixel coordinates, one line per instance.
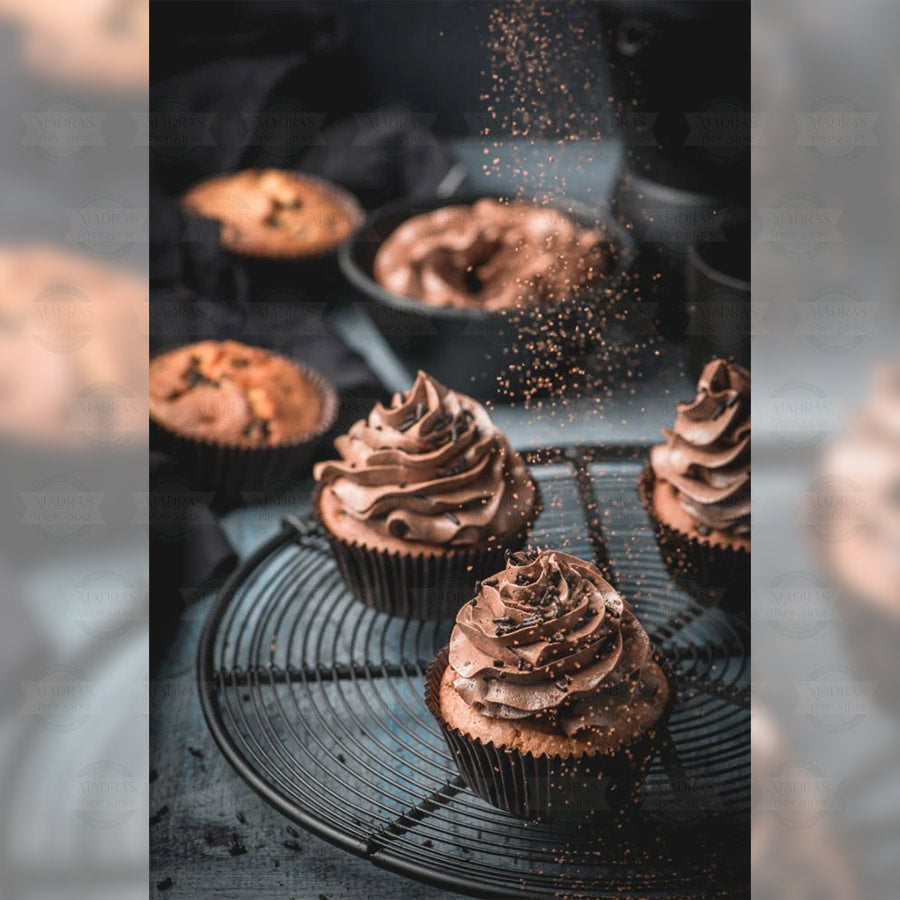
(242, 101)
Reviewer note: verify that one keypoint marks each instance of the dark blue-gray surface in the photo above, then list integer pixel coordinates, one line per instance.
(212, 836)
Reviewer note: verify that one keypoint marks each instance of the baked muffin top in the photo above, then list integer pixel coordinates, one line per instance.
(230, 393)
(270, 212)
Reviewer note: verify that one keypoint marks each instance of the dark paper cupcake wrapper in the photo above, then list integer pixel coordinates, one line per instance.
(565, 789)
(234, 472)
(713, 575)
(419, 585)
(215, 270)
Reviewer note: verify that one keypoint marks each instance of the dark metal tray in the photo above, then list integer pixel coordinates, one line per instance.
(316, 701)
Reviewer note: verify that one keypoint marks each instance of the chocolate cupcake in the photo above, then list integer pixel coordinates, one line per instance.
(259, 229)
(490, 256)
(550, 695)
(236, 416)
(696, 487)
(426, 498)
(275, 214)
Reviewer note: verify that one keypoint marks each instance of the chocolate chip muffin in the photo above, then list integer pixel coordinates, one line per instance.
(275, 214)
(426, 497)
(549, 670)
(696, 487)
(224, 404)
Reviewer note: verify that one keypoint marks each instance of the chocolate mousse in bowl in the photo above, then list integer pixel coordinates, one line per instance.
(501, 297)
(550, 695)
(696, 486)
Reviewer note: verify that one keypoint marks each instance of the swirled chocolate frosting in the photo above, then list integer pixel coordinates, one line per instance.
(491, 255)
(549, 639)
(706, 457)
(430, 467)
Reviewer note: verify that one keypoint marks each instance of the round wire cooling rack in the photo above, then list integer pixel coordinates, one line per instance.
(317, 701)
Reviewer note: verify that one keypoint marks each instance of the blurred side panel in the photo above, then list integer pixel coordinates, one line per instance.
(826, 504)
(73, 449)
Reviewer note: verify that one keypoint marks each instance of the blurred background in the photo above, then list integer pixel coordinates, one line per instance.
(643, 110)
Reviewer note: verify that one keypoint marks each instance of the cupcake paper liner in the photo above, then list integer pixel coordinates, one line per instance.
(233, 471)
(212, 268)
(713, 575)
(547, 787)
(429, 586)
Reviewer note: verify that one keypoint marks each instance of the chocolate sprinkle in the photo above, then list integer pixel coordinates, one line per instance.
(398, 528)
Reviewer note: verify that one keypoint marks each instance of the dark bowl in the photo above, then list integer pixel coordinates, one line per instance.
(717, 286)
(487, 354)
